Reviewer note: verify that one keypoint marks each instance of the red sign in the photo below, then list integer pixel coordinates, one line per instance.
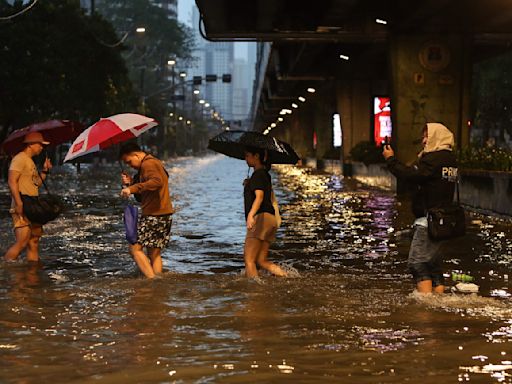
(382, 119)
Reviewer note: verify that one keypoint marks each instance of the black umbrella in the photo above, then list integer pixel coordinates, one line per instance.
(234, 143)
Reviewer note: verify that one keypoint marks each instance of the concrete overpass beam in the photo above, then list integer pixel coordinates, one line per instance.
(430, 83)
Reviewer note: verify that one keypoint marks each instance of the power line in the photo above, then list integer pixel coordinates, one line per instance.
(10, 17)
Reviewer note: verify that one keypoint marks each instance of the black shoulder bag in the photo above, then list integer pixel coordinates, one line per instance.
(42, 209)
(447, 222)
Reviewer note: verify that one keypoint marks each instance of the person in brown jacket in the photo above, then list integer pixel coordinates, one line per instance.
(154, 225)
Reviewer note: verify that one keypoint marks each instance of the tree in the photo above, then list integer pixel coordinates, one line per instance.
(148, 52)
(492, 97)
(147, 55)
(55, 64)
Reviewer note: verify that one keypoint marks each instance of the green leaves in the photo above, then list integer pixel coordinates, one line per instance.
(55, 66)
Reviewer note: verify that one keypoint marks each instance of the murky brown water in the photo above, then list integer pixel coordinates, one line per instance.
(348, 316)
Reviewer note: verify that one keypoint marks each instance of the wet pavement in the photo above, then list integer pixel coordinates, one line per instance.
(346, 315)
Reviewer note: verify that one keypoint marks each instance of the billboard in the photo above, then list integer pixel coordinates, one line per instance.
(382, 126)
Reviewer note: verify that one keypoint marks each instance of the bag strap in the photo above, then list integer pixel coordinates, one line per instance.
(457, 188)
(44, 183)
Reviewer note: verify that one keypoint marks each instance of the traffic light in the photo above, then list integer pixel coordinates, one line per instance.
(211, 78)
(226, 78)
(197, 80)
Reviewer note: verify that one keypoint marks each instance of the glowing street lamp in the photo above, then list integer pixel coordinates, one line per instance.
(196, 91)
(171, 62)
(202, 101)
(183, 74)
(207, 105)
(295, 105)
(302, 99)
(311, 90)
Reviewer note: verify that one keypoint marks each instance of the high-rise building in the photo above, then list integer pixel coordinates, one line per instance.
(240, 89)
(213, 59)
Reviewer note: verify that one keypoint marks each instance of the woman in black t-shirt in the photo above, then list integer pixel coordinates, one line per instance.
(260, 216)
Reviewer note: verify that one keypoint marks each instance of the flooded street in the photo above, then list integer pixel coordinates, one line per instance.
(346, 315)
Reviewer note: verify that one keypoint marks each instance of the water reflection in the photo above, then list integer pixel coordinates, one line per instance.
(347, 315)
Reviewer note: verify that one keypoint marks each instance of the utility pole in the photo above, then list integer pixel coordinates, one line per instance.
(173, 117)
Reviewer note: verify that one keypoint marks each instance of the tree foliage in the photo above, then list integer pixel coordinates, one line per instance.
(492, 98)
(55, 65)
(147, 53)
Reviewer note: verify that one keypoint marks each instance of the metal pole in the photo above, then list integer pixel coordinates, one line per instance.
(183, 111)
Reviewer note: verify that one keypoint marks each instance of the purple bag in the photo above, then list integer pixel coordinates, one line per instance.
(130, 217)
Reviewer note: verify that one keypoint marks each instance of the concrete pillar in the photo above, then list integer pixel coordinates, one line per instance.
(297, 130)
(322, 125)
(353, 100)
(430, 83)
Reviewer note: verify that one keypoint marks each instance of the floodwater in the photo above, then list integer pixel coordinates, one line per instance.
(346, 315)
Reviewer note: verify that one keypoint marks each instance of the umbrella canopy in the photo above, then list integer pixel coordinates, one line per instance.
(233, 144)
(109, 131)
(54, 131)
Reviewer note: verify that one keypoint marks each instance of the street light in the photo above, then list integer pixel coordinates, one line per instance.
(311, 90)
(302, 99)
(202, 101)
(295, 105)
(196, 91)
(140, 30)
(183, 74)
(207, 105)
(171, 62)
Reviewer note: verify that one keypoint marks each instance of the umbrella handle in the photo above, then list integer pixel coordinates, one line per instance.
(122, 171)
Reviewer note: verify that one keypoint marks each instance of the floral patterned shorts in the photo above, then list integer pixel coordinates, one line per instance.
(154, 231)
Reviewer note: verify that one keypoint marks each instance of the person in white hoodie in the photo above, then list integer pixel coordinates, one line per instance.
(433, 179)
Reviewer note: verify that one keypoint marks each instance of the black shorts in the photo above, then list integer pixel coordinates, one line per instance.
(154, 231)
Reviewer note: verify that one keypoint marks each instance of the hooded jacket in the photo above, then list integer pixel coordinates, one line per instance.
(434, 175)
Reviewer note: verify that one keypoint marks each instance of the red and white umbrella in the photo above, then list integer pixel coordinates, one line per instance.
(109, 131)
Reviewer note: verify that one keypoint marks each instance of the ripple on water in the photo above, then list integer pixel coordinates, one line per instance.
(347, 312)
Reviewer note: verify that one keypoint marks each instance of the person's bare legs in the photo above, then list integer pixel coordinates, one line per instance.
(33, 244)
(142, 260)
(264, 263)
(424, 286)
(22, 235)
(251, 251)
(439, 289)
(156, 259)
